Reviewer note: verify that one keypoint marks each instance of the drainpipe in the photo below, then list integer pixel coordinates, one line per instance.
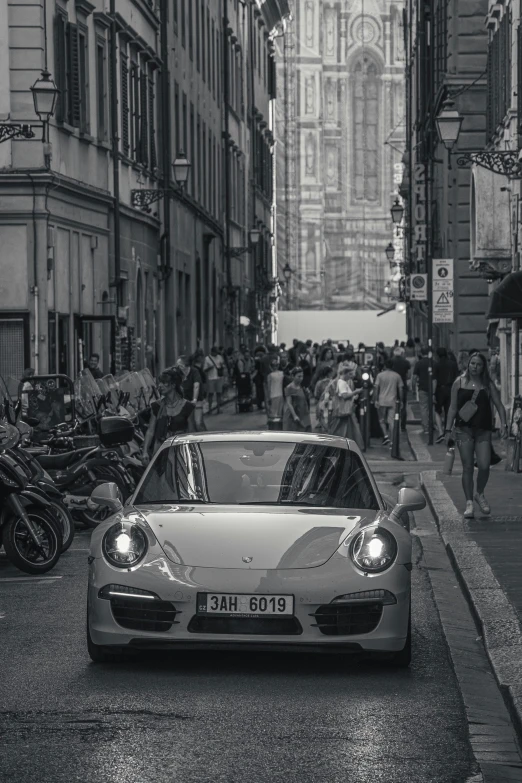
(226, 165)
(115, 151)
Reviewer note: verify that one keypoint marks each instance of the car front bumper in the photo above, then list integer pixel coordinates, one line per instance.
(311, 588)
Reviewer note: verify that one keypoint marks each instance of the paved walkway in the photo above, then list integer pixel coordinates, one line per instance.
(487, 555)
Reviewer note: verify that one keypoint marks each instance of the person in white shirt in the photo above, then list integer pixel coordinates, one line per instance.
(214, 368)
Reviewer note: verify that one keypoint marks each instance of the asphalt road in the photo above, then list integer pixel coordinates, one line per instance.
(199, 717)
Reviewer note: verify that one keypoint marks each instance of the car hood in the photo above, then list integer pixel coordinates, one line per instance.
(251, 537)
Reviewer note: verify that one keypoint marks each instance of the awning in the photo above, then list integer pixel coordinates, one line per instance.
(506, 299)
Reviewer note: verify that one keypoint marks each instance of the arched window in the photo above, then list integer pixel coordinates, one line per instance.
(366, 131)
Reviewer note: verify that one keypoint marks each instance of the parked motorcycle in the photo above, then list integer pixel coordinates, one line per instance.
(76, 473)
(31, 537)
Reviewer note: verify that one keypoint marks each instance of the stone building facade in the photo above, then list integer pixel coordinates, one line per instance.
(191, 75)
(343, 67)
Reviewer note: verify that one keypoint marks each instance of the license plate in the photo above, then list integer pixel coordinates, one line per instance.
(235, 605)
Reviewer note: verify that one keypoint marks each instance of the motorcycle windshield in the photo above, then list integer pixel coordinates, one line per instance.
(149, 385)
(131, 387)
(87, 394)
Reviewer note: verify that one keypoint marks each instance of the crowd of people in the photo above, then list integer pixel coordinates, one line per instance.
(289, 384)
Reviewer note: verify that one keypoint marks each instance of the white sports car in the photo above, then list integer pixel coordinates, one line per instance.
(259, 540)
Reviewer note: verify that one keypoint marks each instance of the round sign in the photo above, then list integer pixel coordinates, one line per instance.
(442, 272)
(417, 281)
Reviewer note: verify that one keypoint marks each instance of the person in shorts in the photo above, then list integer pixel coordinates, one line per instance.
(473, 434)
(214, 368)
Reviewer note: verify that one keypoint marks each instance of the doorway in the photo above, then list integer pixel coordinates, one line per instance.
(95, 334)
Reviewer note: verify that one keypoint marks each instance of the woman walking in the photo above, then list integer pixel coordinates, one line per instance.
(296, 415)
(344, 421)
(169, 415)
(470, 412)
(326, 376)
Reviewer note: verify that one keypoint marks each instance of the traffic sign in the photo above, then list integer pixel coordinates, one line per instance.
(419, 287)
(442, 274)
(442, 279)
(443, 307)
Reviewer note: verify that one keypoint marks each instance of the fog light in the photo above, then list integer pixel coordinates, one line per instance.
(384, 597)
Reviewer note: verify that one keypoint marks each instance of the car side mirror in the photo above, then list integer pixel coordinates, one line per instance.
(107, 496)
(408, 500)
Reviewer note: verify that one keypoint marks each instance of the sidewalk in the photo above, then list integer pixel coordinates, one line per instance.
(486, 553)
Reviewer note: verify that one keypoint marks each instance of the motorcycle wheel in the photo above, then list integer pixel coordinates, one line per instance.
(64, 519)
(103, 474)
(20, 547)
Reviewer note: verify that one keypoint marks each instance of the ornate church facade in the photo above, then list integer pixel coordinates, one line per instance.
(339, 161)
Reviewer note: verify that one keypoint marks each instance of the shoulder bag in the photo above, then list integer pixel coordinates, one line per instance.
(470, 407)
(220, 370)
(341, 407)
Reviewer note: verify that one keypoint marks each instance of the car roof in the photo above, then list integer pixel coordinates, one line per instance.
(269, 436)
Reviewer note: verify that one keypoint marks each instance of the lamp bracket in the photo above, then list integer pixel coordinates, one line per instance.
(142, 198)
(14, 131)
(500, 162)
(236, 252)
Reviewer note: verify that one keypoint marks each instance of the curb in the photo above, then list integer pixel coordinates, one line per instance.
(492, 611)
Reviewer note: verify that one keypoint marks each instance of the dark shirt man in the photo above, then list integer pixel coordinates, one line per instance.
(401, 366)
(445, 370)
(94, 361)
(421, 371)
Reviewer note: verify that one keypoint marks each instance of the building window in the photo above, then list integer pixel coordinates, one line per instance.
(83, 77)
(499, 75)
(209, 49)
(202, 39)
(72, 69)
(178, 141)
(214, 65)
(134, 109)
(183, 22)
(441, 42)
(197, 37)
(124, 101)
(152, 122)
(101, 89)
(191, 29)
(175, 14)
(366, 131)
(193, 151)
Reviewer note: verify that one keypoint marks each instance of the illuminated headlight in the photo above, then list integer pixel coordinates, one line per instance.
(374, 549)
(124, 545)
(366, 376)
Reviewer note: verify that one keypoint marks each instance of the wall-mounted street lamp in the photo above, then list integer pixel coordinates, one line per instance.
(390, 252)
(397, 212)
(254, 235)
(143, 197)
(45, 94)
(287, 272)
(449, 124)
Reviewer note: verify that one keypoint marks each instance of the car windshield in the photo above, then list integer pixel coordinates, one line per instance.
(240, 472)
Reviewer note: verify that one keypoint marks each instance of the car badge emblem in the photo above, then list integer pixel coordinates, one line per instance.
(247, 559)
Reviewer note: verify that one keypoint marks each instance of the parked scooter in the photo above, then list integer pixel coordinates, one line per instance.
(31, 537)
(76, 473)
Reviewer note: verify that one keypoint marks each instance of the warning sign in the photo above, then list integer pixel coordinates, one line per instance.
(442, 279)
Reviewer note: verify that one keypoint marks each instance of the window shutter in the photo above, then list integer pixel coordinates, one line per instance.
(519, 84)
(152, 124)
(60, 57)
(489, 107)
(74, 70)
(144, 120)
(125, 106)
(272, 90)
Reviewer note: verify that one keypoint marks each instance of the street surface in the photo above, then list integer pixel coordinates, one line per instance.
(197, 717)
